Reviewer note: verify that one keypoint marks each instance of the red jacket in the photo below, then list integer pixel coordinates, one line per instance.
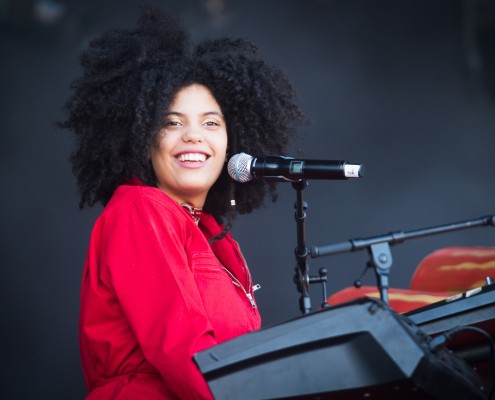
(154, 292)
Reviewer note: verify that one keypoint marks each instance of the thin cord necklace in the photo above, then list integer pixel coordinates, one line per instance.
(195, 212)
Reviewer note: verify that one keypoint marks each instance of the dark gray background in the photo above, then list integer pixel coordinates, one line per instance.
(404, 87)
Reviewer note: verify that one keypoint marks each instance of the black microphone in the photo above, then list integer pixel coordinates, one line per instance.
(242, 168)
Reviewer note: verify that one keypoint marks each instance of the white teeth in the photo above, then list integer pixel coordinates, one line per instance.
(191, 157)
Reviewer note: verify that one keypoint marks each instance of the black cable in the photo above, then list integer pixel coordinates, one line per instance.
(439, 342)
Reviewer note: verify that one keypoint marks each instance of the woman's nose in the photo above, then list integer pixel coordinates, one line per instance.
(193, 134)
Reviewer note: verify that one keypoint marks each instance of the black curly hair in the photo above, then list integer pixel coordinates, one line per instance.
(130, 78)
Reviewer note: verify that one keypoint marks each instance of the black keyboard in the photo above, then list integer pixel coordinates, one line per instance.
(475, 307)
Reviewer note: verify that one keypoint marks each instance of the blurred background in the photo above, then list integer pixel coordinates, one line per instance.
(406, 88)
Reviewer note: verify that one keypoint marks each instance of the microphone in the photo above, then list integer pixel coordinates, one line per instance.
(242, 168)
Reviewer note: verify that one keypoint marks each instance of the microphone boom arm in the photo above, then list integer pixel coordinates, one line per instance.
(397, 237)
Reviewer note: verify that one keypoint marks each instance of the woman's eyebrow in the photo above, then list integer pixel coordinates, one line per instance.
(214, 113)
(174, 113)
(179, 114)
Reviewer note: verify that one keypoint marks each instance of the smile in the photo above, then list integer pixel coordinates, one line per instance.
(192, 157)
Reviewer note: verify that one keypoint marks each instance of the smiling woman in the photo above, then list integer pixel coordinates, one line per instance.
(154, 117)
(191, 149)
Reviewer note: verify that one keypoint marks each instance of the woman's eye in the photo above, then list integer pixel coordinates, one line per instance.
(211, 123)
(173, 123)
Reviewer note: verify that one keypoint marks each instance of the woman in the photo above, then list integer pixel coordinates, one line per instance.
(155, 119)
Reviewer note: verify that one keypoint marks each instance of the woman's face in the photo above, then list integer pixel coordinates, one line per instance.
(191, 149)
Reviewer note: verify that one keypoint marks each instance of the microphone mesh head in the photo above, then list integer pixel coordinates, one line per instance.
(239, 167)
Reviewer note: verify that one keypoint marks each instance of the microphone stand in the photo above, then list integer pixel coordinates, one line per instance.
(379, 246)
(302, 278)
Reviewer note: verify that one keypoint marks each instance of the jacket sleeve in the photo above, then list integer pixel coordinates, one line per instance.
(153, 282)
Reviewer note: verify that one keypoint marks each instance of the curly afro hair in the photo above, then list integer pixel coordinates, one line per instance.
(130, 78)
